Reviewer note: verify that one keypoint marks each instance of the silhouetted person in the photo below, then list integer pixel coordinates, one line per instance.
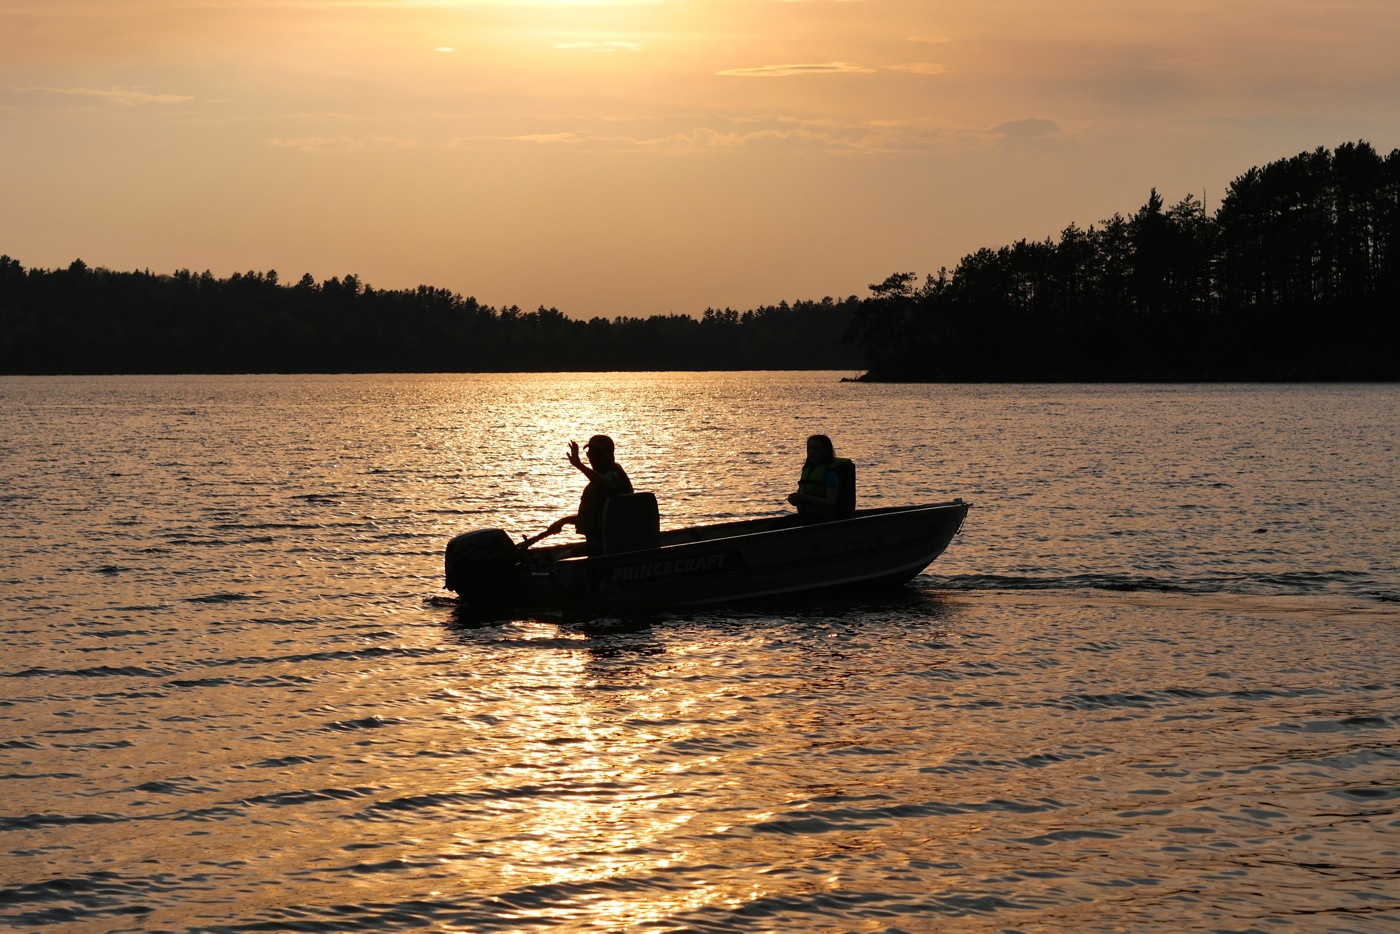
(606, 478)
(826, 489)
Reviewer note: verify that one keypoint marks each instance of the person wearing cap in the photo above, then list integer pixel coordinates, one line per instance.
(605, 478)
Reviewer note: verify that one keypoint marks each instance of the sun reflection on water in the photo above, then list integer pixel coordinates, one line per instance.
(594, 792)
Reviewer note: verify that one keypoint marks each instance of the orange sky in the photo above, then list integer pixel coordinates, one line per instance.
(638, 157)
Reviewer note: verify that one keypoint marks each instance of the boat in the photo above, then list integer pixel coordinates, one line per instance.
(640, 568)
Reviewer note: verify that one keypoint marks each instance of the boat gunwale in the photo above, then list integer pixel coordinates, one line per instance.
(758, 534)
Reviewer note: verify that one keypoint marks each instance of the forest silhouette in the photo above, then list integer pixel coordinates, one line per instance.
(1295, 277)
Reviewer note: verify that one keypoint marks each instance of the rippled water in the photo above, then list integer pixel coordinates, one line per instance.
(1153, 684)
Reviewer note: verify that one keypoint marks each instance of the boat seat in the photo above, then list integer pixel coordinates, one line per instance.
(846, 493)
(631, 522)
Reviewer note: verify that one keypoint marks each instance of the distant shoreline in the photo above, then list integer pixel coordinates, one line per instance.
(862, 379)
(1294, 279)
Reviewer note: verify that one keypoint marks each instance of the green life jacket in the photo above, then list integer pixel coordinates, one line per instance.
(813, 481)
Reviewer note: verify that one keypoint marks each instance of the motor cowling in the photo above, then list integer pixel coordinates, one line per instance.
(478, 564)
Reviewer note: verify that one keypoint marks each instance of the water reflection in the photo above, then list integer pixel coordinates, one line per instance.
(229, 706)
(604, 762)
(649, 783)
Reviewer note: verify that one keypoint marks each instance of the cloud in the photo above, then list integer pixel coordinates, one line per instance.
(931, 39)
(343, 143)
(786, 71)
(1031, 128)
(754, 133)
(699, 138)
(121, 97)
(568, 136)
(831, 68)
(707, 138)
(599, 46)
(445, 49)
(919, 68)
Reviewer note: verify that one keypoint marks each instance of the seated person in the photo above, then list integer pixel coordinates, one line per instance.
(819, 492)
(606, 478)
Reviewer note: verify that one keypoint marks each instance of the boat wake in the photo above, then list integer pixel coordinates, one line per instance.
(1351, 584)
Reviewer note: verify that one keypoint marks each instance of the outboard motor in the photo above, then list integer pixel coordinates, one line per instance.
(478, 563)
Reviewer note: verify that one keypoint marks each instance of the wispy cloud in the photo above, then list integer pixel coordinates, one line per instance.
(120, 97)
(754, 133)
(1031, 128)
(831, 68)
(919, 68)
(696, 139)
(598, 46)
(343, 143)
(567, 136)
(788, 71)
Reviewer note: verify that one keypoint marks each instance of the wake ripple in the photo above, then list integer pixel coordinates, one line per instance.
(1299, 583)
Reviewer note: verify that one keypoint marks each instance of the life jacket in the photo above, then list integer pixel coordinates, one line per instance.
(813, 480)
(813, 483)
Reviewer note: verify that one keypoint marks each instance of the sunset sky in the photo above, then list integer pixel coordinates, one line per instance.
(636, 157)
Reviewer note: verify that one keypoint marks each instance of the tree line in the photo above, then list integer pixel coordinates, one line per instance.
(1295, 277)
(82, 320)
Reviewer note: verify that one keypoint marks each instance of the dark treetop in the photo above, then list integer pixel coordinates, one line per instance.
(1296, 277)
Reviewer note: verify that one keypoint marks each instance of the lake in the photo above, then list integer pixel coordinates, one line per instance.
(1152, 685)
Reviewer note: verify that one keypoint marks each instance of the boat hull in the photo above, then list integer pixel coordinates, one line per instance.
(730, 563)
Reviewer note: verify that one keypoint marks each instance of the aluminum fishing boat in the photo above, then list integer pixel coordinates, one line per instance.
(638, 567)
